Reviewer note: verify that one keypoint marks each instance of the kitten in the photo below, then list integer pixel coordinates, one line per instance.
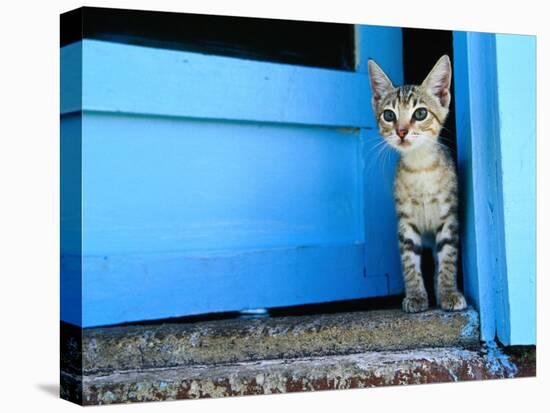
(410, 119)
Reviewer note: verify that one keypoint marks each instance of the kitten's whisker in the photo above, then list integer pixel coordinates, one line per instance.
(379, 149)
(387, 157)
(375, 146)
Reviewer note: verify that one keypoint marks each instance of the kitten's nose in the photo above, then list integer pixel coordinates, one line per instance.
(402, 132)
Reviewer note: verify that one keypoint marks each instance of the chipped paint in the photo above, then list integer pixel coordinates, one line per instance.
(471, 327)
(498, 361)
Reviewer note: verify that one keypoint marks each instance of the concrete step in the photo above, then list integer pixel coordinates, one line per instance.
(427, 365)
(106, 350)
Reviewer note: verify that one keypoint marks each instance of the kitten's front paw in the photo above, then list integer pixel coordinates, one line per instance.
(415, 303)
(452, 301)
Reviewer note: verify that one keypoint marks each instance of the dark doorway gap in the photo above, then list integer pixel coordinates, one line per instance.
(328, 45)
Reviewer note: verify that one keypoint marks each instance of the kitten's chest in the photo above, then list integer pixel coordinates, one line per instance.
(422, 195)
(422, 186)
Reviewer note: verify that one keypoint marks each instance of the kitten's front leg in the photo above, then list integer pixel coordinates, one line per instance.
(410, 246)
(448, 296)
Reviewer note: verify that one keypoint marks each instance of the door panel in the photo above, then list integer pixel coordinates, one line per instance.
(166, 184)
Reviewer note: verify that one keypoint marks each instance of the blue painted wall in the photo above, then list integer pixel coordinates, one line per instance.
(219, 184)
(494, 90)
(516, 73)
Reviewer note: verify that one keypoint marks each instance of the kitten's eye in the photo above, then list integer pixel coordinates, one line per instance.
(388, 115)
(420, 114)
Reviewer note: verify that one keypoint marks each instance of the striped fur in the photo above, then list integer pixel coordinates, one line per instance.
(425, 186)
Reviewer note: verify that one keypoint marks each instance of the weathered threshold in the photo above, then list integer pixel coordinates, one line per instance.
(228, 341)
(262, 356)
(431, 365)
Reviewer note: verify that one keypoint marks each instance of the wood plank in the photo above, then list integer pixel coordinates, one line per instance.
(132, 287)
(381, 242)
(385, 46)
(157, 184)
(141, 80)
(378, 162)
(461, 75)
(478, 151)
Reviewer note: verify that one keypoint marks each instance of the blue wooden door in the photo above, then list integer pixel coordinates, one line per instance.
(195, 183)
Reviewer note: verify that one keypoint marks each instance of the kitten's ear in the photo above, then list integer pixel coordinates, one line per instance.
(438, 81)
(379, 82)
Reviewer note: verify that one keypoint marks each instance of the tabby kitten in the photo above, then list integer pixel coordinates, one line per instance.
(410, 119)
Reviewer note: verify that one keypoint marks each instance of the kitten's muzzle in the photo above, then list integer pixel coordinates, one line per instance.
(402, 132)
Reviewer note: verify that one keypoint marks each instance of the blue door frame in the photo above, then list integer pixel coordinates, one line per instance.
(496, 141)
